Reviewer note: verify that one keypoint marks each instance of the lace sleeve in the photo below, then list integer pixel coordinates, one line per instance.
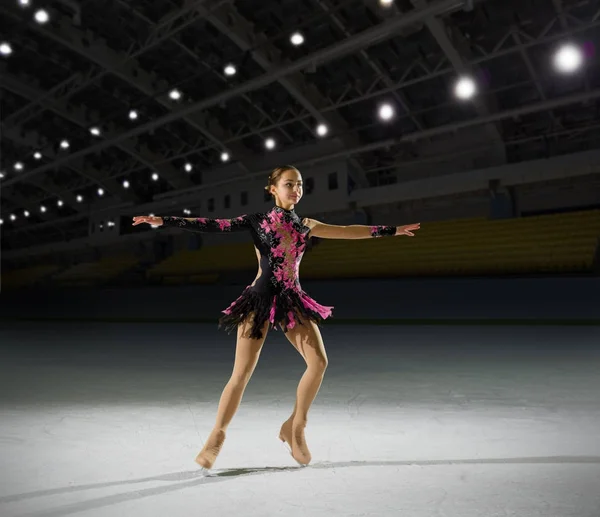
(203, 224)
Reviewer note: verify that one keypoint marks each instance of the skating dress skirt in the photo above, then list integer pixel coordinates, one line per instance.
(280, 238)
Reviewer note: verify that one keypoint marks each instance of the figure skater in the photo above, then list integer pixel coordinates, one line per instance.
(275, 297)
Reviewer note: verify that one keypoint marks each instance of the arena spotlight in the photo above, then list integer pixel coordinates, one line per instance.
(37, 155)
(1, 222)
(19, 166)
(465, 88)
(175, 94)
(41, 16)
(125, 184)
(79, 198)
(24, 3)
(322, 129)
(59, 203)
(224, 157)
(42, 208)
(5, 49)
(65, 144)
(26, 213)
(154, 176)
(188, 167)
(100, 191)
(13, 217)
(229, 70)
(386, 112)
(133, 115)
(297, 38)
(270, 143)
(1, 175)
(386, 3)
(95, 131)
(568, 58)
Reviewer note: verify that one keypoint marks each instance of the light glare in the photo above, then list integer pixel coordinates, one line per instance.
(465, 88)
(568, 58)
(41, 16)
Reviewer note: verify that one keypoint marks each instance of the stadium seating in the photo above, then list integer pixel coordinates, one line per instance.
(94, 273)
(26, 277)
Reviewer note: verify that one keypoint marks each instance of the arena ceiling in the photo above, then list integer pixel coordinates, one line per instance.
(77, 78)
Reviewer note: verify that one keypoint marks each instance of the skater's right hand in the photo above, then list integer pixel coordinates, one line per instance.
(150, 219)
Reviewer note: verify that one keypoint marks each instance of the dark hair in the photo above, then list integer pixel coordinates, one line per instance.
(276, 173)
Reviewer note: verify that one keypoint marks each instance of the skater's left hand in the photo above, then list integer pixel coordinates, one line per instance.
(408, 229)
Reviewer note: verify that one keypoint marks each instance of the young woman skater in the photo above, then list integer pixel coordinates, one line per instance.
(275, 298)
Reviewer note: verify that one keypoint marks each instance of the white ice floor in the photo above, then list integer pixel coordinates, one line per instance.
(106, 419)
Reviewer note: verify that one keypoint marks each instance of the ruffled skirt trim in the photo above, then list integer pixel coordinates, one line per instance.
(287, 309)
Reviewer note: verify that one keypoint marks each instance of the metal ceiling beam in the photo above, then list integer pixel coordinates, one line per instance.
(127, 68)
(371, 36)
(438, 31)
(228, 20)
(77, 115)
(390, 142)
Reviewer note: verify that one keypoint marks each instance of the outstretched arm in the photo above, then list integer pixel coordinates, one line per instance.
(197, 224)
(357, 231)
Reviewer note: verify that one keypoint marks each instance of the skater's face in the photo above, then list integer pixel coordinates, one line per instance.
(288, 190)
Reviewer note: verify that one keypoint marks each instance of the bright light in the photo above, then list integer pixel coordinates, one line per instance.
(42, 208)
(322, 129)
(95, 131)
(111, 223)
(37, 155)
(125, 184)
(5, 49)
(24, 2)
(270, 143)
(568, 58)
(297, 39)
(26, 213)
(229, 70)
(18, 166)
(386, 3)
(175, 95)
(65, 144)
(59, 202)
(1, 221)
(79, 198)
(133, 114)
(155, 176)
(465, 88)
(224, 157)
(41, 16)
(100, 191)
(13, 217)
(188, 167)
(1, 175)
(386, 112)
(187, 211)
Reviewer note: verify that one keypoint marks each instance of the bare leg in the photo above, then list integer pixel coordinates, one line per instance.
(247, 353)
(309, 343)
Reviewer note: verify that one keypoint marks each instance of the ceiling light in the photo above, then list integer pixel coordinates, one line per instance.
(19, 166)
(465, 88)
(1, 221)
(79, 198)
(188, 167)
(386, 112)
(270, 143)
(155, 176)
(568, 58)
(297, 39)
(229, 70)
(42, 208)
(41, 16)
(1, 175)
(26, 213)
(65, 144)
(59, 202)
(225, 157)
(322, 129)
(386, 3)
(37, 155)
(125, 184)
(5, 49)
(100, 191)
(13, 217)
(95, 131)
(175, 94)
(133, 114)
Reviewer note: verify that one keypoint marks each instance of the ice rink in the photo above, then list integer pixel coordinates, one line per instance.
(100, 419)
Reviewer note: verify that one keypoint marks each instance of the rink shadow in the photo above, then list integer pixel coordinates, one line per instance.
(194, 478)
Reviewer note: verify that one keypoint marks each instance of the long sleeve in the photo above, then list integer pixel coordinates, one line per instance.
(204, 225)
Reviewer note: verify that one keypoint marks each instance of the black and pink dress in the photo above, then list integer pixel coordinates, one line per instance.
(276, 295)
